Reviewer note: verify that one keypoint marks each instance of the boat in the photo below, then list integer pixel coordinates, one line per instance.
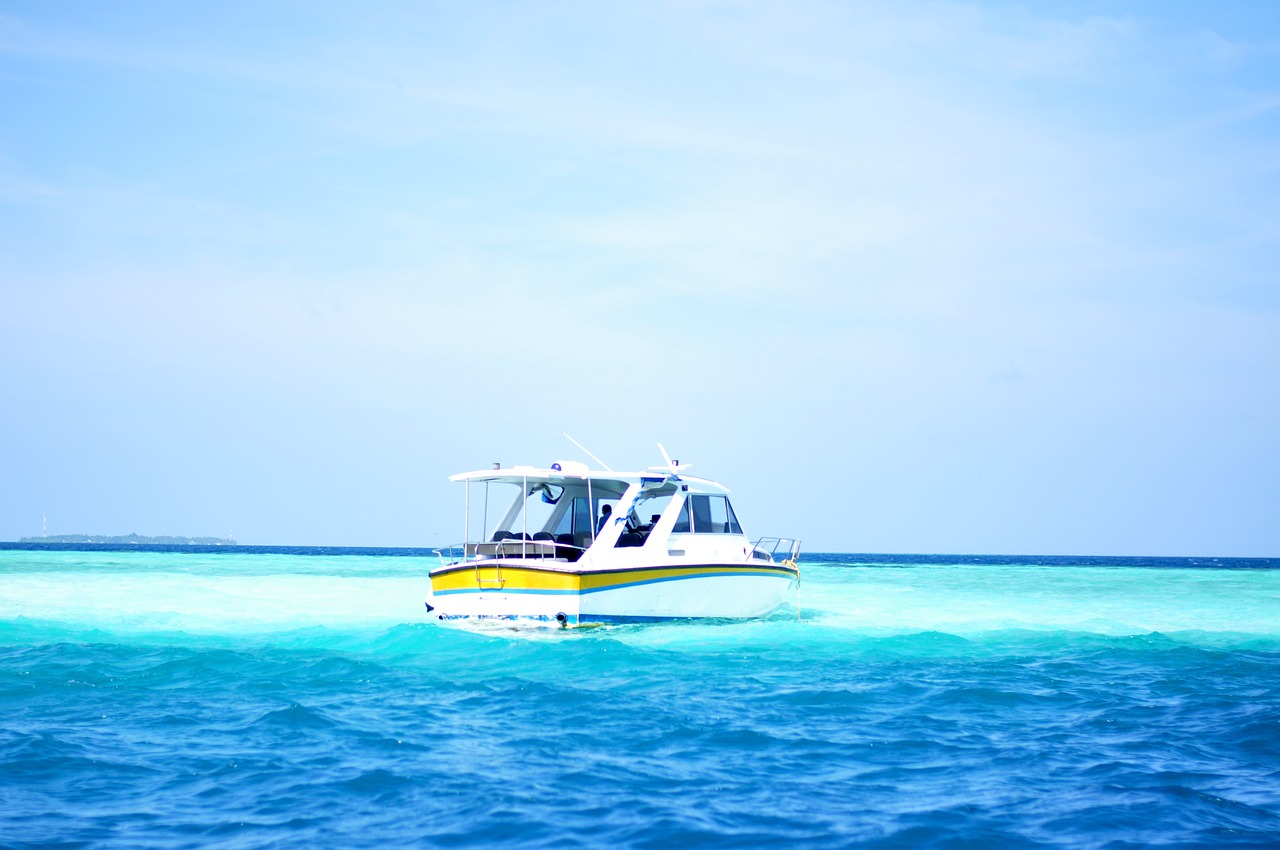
(570, 545)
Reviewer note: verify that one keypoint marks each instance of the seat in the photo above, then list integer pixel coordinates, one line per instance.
(566, 548)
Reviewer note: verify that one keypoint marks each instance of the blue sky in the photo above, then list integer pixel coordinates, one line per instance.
(907, 277)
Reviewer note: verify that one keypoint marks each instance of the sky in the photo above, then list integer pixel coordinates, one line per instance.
(924, 277)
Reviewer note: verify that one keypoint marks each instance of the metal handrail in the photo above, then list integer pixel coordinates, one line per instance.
(461, 553)
(773, 546)
(451, 558)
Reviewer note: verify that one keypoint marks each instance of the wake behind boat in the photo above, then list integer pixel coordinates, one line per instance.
(578, 545)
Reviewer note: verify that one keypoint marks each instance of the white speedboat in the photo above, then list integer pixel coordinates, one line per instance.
(574, 545)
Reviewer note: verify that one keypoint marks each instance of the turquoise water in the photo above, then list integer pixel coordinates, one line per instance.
(265, 699)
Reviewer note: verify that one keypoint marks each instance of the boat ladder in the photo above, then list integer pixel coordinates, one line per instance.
(496, 580)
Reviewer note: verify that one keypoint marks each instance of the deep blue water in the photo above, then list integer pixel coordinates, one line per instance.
(262, 697)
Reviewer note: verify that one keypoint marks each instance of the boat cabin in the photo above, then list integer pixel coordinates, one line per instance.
(566, 510)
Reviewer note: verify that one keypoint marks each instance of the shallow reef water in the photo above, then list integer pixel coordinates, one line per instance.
(294, 698)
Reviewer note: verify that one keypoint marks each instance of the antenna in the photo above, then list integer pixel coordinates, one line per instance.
(666, 456)
(588, 451)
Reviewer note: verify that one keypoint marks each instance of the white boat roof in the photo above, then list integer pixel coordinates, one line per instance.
(572, 471)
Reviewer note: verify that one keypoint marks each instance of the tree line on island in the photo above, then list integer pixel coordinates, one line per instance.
(141, 539)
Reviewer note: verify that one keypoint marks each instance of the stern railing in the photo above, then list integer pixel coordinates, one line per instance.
(770, 548)
(451, 554)
(462, 553)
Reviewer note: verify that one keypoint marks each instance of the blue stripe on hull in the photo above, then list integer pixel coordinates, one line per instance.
(570, 620)
(549, 592)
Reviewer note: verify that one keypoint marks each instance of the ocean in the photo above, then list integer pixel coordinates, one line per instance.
(297, 698)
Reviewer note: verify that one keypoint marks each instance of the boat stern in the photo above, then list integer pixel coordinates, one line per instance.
(504, 591)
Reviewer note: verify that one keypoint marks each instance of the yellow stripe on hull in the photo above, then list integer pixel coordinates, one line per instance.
(506, 578)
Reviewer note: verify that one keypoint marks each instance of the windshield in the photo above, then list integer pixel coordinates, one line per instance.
(548, 510)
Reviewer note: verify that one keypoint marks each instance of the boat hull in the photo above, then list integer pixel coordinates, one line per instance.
(559, 594)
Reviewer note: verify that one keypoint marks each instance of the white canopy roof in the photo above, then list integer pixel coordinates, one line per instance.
(573, 471)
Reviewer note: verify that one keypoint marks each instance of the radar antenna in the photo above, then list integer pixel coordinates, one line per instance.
(674, 465)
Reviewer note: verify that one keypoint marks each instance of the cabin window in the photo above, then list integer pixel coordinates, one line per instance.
(576, 520)
(538, 512)
(706, 515)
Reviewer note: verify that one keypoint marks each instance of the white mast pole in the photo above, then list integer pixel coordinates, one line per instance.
(606, 466)
(591, 510)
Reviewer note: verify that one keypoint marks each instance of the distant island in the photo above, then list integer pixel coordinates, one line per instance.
(120, 540)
